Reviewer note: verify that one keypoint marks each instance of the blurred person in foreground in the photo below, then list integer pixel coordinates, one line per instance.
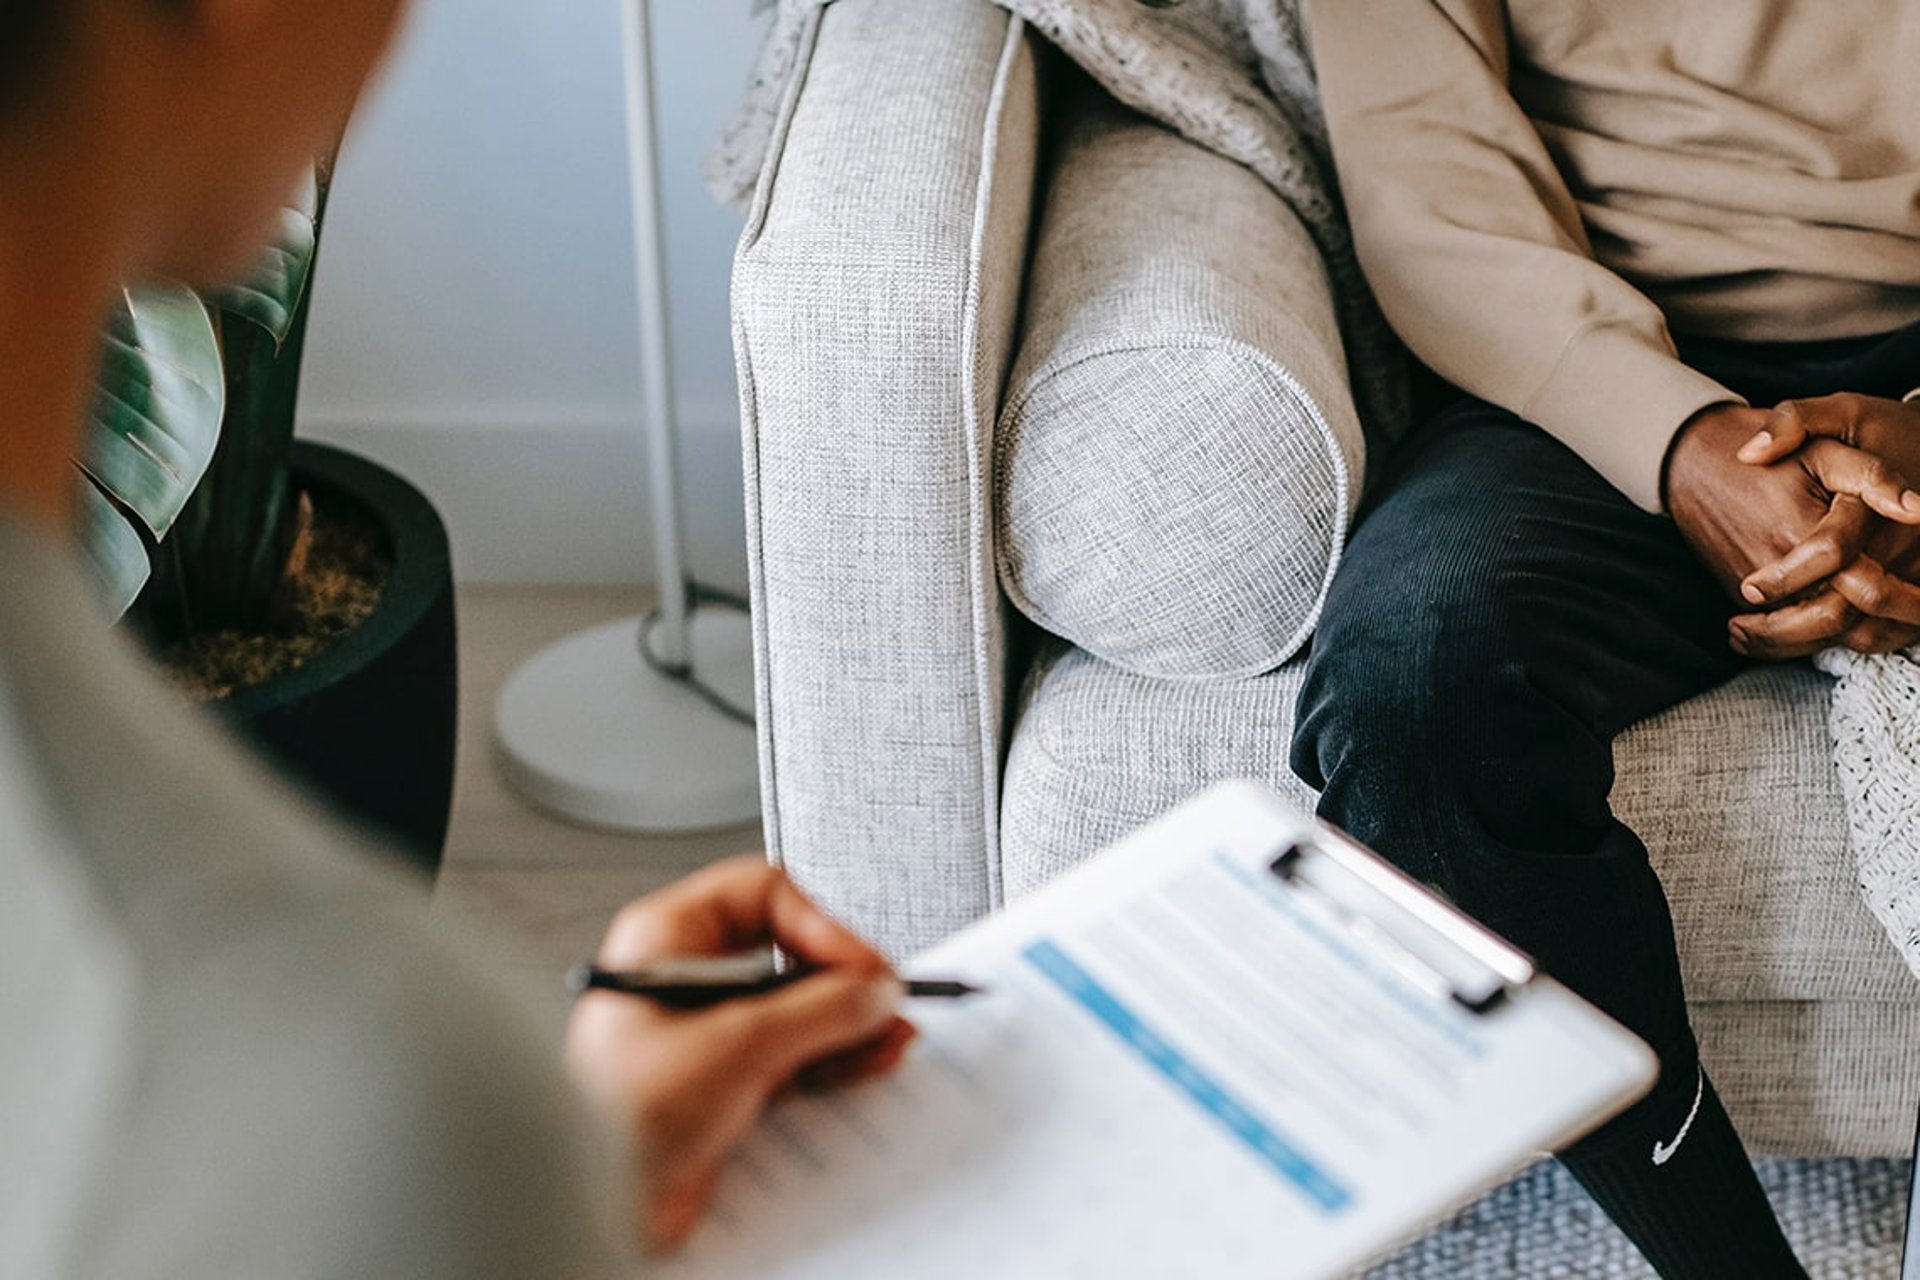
(228, 1044)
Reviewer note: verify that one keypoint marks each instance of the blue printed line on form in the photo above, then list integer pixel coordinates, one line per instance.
(1050, 960)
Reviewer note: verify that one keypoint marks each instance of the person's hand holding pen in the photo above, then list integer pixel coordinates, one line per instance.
(686, 1087)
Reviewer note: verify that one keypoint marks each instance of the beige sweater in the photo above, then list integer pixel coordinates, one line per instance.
(1539, 188)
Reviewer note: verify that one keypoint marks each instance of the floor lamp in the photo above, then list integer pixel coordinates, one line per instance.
(642, 724)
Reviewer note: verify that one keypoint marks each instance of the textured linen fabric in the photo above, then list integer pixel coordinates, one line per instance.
(1751, 842)
(1814, 1077)
(1774, 941)
(1232, 76)
(1179, 454)
(875, 294)
(229, 1043)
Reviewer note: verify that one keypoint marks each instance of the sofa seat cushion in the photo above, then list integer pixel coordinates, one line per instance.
(1178, 455)
(1815, 1077)
(1734, 793)
(1805, 1013)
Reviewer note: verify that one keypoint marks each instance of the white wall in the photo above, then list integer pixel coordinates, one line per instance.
(473, 320)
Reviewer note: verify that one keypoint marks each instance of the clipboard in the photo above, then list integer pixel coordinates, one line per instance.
(1236, 1044)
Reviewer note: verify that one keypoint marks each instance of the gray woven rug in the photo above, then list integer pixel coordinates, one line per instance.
(1845, 1218)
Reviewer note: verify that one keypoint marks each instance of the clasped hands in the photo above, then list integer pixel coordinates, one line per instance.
(1805, 514)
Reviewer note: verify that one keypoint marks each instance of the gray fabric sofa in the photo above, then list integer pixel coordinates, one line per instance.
(1050, 450)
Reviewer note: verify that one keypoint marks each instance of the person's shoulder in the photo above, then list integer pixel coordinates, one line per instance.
(456, 1146)
(338, 1095)
(306, 1081)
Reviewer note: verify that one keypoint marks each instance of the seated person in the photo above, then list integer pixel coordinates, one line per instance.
(1590, 532)
(228, 1044)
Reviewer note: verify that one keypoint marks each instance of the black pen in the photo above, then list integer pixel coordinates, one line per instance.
(698, 982)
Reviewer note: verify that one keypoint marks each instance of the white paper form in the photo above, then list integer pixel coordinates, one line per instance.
(1185, 1067)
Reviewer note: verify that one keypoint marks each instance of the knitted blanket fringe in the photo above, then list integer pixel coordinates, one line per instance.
(1234, 76)
(1875, 722)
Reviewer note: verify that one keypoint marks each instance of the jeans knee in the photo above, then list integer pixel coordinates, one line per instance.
(1348, 715)
(1407, 750)
(1382, 694)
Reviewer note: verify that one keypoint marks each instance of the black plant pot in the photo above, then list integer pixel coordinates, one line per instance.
(369, 724)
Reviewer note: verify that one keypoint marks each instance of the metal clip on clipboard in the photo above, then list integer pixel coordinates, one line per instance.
(1403, 923)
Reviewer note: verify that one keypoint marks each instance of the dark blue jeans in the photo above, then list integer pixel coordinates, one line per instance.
(1502, 614)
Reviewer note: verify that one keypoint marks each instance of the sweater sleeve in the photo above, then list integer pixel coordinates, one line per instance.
(1474, 244)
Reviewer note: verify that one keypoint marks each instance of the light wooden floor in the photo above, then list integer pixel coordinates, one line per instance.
(535, 890)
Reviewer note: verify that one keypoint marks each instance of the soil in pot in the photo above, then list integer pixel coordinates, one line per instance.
(336, 575)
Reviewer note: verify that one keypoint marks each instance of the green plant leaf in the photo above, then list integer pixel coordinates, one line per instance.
(113, 549)
(162, 395)
(224, 563)
(270, 297)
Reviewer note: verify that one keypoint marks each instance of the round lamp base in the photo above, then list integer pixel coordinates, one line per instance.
(588, 732)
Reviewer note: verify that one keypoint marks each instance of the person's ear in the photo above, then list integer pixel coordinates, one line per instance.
(220, 27)
(218, 17)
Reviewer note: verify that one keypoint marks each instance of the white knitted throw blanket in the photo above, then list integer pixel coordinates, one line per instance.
(1875, 721)
(1234, 76)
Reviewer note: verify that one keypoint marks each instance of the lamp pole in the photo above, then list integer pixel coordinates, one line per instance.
(589, 729)
(670, 639)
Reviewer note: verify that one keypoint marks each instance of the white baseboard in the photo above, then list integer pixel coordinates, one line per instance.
(559, 501)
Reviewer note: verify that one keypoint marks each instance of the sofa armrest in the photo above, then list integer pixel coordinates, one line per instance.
(1180, 455)
(875, 296)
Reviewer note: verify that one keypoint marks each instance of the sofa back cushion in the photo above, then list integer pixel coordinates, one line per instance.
(1178, 456)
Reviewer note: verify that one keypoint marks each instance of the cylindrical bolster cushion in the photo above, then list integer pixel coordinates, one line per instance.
(1179, 454)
